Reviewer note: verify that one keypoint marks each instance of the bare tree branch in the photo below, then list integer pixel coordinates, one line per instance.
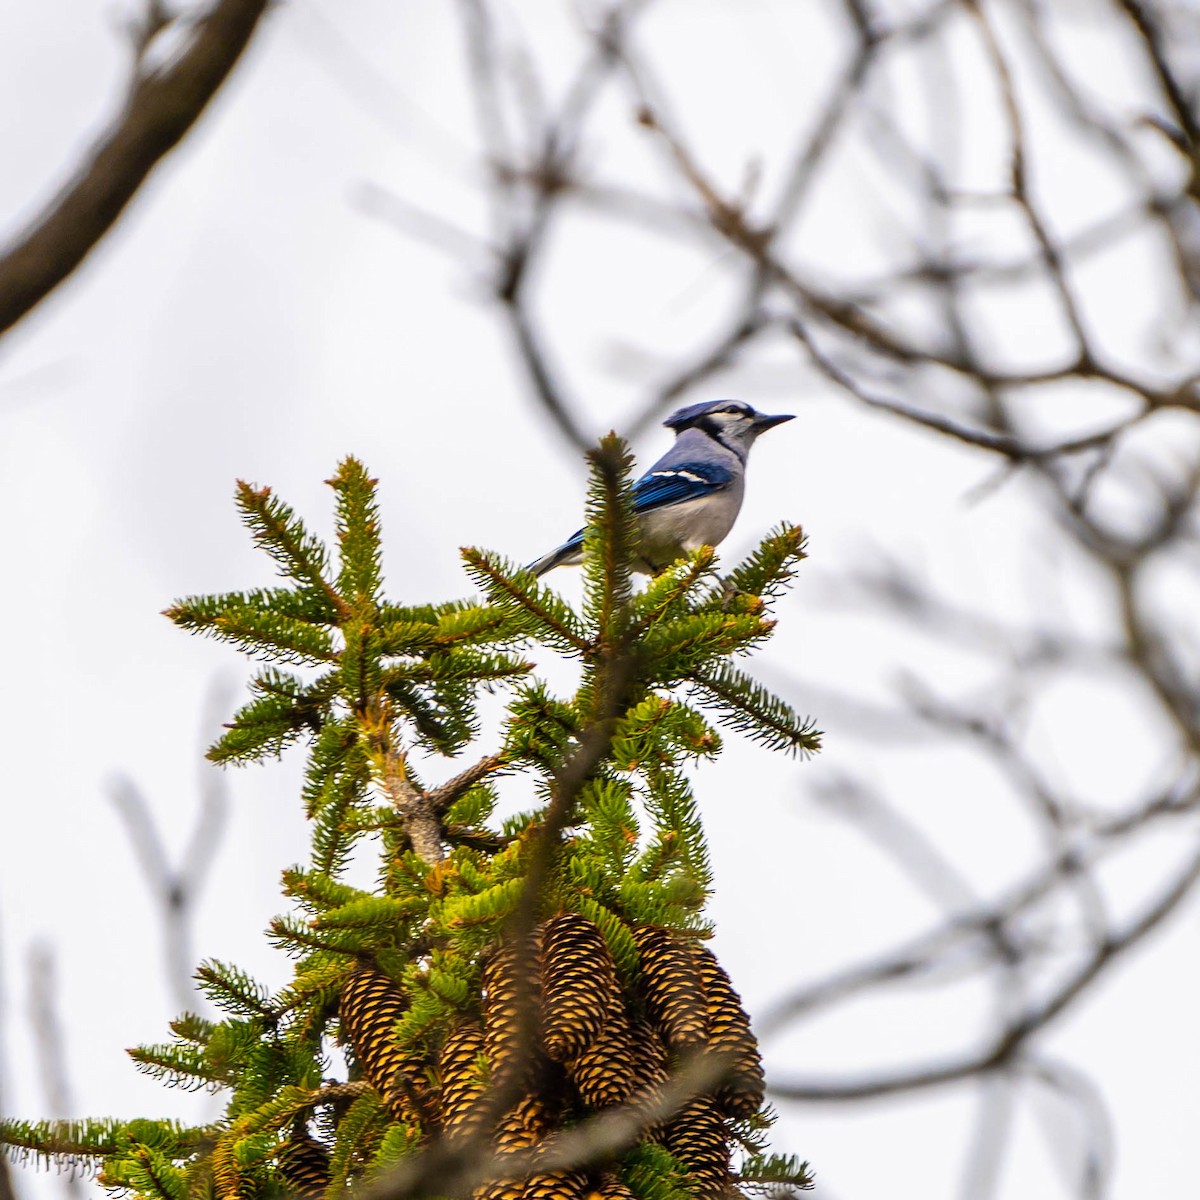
(162, 106)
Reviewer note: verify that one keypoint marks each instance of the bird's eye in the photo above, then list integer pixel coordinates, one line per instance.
(735, 409)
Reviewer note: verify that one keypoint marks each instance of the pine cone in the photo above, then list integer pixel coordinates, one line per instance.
(674, 994)
(461, 1088)
(304, 1163)
(610, 1187)
(369, 1007)
(524, 1125)
(579, 985)
(653, 1071)
(510, 1189)
(697, 1137)
(510, 986)
(742, 1092)
(560, 1185)
(606, 1073)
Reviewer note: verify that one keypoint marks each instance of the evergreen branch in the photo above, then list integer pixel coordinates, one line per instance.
(670, 801)
(266, 726)
(361, 662)
(406, 638)
(540, 726)
(359, 1129)
(459, 665)
(94, 1139)
(368, 912)
(333, 835)
(773, 1171)
(536, 609)
(610, 542)
(673, 650)
(745, 705)
(361, 576)
(294, 603)
(290, 1102)
(322, 980)
(477, 625)
(611, 833)
(232, 989)
(444, 795)
(299, 937)
(616, 935)
(421, 823)
(482, 908)
(768, 569)
(152, 1175)
(190, 1027)
(335, 753)
(260, 632)
(668, 592)
(317, 891)
(658, 729)
(444, 720)
(476, 838)
(299, 555)
(183, 1066)
(409, 676)
(398, 1143)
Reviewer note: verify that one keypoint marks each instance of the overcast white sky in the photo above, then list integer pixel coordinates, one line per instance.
(250, 319)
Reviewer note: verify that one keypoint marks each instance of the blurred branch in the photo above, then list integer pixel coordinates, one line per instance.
(177, 890)
(1010, 1045)
(49, 1042)
(161, 107)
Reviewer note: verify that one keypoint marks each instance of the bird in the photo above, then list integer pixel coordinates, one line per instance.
(691, 496)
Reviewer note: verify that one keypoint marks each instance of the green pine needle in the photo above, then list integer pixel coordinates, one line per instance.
(609, 544)
(767, 572)
(745, 705)
(232, 989)
(360, 580)
(298, 555)
(534, 610)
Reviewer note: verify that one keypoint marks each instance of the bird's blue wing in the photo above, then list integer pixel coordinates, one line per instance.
(660, 487)
(664, 486)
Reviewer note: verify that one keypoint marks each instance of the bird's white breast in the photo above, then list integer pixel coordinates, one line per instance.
(668, 532)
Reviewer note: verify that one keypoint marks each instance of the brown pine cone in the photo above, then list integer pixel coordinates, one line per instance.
(609, 1187)
(652, 1068)
(461, 1088)
(510, 1189)
(696, 1135)
(607, 1073)
(558, 1185)
(510, 994)
(742, 1091)
(369, 1007)
(525, 1124)
(304, 1163)
(674, 994)
(579, 985)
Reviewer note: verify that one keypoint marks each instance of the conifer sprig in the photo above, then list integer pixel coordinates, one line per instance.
(451, 1057)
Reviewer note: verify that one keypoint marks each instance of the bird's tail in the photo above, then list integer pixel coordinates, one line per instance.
(566, 553)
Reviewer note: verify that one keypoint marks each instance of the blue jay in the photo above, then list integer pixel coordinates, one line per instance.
(691, 496)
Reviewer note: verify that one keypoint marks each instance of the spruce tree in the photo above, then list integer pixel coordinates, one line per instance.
(519, 1009)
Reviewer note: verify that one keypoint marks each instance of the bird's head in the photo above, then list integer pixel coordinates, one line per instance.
(733, 423)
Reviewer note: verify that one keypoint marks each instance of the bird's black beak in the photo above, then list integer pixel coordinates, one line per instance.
(765, 421)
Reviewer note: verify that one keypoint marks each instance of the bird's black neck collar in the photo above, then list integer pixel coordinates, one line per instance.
(709, 426)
